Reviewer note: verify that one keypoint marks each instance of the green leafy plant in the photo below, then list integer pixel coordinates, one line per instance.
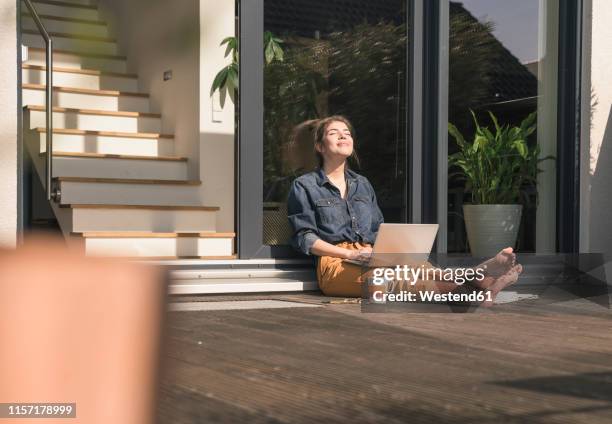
(497, 166)
(226, 80)
(272, 48)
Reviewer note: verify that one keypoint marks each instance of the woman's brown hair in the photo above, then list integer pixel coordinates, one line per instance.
(314, 131)
(319, 136)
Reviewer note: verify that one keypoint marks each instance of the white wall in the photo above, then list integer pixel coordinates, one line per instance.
(156, 36)
(8, 123)
(216, 128)
(596, 163)
(184, 36)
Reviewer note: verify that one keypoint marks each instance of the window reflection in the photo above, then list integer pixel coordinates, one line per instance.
(498, 63)
(339, 57)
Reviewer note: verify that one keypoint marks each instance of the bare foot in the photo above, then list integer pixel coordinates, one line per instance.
(500, 264)
(502, 282)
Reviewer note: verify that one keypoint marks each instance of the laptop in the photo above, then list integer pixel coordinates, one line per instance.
(401, 244)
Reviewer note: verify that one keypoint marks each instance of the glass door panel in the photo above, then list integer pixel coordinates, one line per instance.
(326, 58)
(503, 60)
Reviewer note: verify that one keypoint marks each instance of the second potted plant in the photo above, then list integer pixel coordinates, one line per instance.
(497, 168)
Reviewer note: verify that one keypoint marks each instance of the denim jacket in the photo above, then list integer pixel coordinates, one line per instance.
(316, 210)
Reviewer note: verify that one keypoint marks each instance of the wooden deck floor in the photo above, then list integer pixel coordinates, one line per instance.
(332, 364)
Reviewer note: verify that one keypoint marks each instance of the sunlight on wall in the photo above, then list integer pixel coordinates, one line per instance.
(596, 155)
(8, 124)
(216, 127)
(601, 69)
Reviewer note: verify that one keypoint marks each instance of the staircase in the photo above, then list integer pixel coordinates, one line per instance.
(123, 191)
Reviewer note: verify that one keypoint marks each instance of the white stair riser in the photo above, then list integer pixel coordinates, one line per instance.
(237, 286)
(171, 247)
(128, 194)
(72, 44)
(66, 27)
(242, 274)
(67, 60)
(87, 101)
(118, 168)
(83, 121)
(92, 82)
(160, 221)
(66, 11)
(77, 143)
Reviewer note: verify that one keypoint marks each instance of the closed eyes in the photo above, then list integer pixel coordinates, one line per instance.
(331, 132)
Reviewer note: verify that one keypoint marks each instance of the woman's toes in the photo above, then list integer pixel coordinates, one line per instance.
(503, 281)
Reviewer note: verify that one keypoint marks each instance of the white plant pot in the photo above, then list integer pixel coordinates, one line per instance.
(490, 228)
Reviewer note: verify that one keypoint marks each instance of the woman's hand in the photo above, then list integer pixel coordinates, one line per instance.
(362, 254)
(323, 248)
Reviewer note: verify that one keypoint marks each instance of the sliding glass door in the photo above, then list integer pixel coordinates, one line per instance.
(322, 58)
(400, 70)
(510, 60)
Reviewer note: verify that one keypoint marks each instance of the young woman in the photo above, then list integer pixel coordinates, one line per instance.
(334, 214)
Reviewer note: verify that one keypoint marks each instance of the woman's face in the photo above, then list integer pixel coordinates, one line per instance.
(337, 142)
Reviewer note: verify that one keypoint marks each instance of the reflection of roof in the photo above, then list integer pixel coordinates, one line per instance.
(304, 17)
(508, 78)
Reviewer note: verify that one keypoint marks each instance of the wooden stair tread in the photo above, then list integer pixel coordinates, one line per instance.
(93, 72)
(84, 54)
(90, 155)
(121, 206)
(96, 112)
(113, 93)
(67, 19)
(73, 131)
(149, 234)
(84, 37)
(126, 181)
(66, 4)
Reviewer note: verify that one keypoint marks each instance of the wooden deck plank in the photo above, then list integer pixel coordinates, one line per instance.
(336, 364)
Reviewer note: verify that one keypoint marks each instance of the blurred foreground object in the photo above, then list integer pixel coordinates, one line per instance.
(81, 330)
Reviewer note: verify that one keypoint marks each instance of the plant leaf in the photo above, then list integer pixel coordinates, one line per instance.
(278, 52)
(222, 96)
(521, 147)
(269, 53)
(231, 45)
(454, 132)
(479, 142)
(219, 80)
(494, 119)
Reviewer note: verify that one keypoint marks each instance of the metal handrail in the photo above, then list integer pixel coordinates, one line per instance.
(48, 96)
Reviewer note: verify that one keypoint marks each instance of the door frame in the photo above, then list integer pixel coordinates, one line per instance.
(569, 101)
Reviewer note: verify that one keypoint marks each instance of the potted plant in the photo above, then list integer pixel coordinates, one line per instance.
(497, 168)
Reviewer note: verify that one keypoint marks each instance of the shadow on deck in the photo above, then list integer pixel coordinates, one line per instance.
(334, 364)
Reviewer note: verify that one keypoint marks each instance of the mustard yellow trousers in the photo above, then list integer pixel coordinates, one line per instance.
(339, 278)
